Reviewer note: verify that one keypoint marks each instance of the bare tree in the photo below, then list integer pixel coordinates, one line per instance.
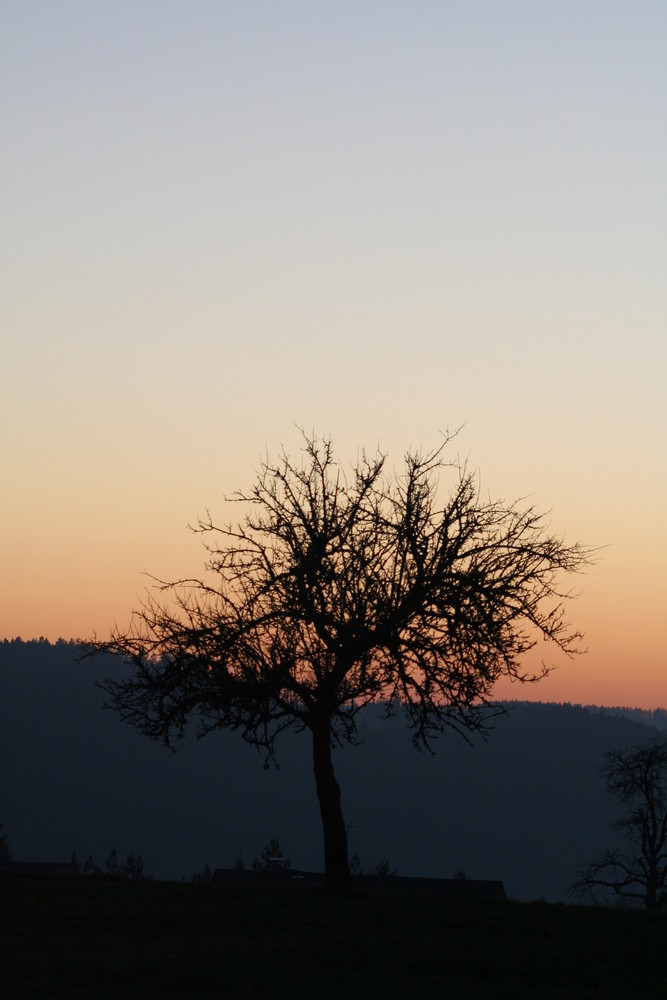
(637, 777)
(336, 591)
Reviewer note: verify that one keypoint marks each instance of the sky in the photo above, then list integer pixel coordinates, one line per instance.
(376, 220)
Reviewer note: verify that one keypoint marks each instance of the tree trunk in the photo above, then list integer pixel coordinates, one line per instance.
(333, 825)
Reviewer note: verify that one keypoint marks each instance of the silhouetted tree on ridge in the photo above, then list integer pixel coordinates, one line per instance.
(338, 591)
(637, 777)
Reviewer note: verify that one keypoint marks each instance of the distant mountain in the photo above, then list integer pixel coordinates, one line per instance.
(525, 806)
(656, 717)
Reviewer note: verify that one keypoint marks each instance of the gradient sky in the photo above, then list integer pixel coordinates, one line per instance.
(375, 219)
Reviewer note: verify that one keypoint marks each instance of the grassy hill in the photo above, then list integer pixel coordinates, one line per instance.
(103, 938)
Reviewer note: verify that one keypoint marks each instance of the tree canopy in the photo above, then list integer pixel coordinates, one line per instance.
(336, 590)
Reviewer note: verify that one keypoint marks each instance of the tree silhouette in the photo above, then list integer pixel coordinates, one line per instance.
(133, 867)
(637, 777)
(271, 857)
(89, 868)
(335, 591)
(205, 875)
(113, 864)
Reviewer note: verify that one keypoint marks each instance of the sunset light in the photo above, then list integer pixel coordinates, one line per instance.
(225, 221)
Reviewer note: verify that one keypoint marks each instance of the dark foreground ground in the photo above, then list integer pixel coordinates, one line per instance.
(101, 938)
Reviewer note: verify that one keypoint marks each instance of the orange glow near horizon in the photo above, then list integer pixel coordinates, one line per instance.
(618, 668)
(368, 220)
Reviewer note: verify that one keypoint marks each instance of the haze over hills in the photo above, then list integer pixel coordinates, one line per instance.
(525, 806)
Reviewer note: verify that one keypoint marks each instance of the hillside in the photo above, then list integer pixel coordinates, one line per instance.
(67, 938)
(525, 806)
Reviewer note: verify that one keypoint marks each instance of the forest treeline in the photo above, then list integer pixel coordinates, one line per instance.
(651, 717)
